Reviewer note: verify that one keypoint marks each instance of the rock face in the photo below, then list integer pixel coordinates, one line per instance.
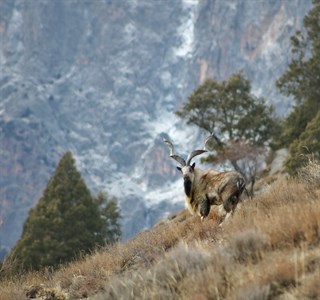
(103, 78)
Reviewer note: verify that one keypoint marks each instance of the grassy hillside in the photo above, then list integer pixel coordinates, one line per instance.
(270, 249)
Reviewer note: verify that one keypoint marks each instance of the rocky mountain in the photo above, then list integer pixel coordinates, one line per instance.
(103, 78)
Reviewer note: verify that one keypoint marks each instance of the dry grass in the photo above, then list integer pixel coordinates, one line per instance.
(269, 249)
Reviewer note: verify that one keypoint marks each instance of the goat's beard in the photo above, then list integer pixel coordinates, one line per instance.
(187, 187)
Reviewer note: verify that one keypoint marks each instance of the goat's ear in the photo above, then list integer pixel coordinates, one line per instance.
(179, 169)
(193, 165)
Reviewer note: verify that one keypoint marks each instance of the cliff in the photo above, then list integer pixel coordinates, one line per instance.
(103, 78)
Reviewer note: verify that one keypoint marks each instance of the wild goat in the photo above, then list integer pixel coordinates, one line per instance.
(204, 188)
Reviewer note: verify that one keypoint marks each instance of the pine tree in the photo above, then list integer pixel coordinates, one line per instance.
(301, 80)
(110, 215)
(65, 222)
(305, 147)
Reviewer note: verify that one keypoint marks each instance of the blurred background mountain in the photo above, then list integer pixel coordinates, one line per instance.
(103, 78)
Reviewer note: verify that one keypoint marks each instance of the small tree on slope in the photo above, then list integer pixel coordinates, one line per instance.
(241, 124)
(65, 222)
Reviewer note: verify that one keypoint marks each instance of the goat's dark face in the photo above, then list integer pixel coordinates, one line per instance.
(188, 176)
(187, 170)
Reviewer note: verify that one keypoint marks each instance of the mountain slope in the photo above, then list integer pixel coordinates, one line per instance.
(269, 249)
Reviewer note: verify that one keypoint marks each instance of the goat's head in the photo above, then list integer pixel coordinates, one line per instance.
(186, 168)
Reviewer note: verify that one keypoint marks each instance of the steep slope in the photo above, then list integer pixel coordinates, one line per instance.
(269, 249)
(103, 78)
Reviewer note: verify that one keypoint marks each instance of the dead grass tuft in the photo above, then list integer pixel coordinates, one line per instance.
(283, 277)
(205, 231)
(253, 292)
(11, 290)
(182, 273)
(311, 288)
(248, 246)
(288, 214)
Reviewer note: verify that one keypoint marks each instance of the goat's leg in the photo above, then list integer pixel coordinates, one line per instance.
(221, 211)
(204, 207)
(229, 206)
(226, 218)
(231, 203)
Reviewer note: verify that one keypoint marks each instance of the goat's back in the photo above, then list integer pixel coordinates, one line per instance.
(225, 184)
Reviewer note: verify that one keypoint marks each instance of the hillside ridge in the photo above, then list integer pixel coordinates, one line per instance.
(267, 250)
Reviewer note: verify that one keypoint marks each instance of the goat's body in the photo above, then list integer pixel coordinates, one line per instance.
(214, 188)
(206, 188)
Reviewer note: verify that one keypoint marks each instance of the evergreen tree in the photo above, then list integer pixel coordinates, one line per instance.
(306, 146)
(65, 222)
(110, 215)
(233, 116)
(301, 80)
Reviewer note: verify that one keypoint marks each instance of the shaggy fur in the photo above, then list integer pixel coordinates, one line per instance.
(206, 188)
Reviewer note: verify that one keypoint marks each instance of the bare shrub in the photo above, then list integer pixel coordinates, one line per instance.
(206, 230)
(215, 281)
(248, 246)
(11, 290)
(177, 265)
(182, 274)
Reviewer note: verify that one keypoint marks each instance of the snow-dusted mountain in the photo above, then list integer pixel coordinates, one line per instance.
(103, 78)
